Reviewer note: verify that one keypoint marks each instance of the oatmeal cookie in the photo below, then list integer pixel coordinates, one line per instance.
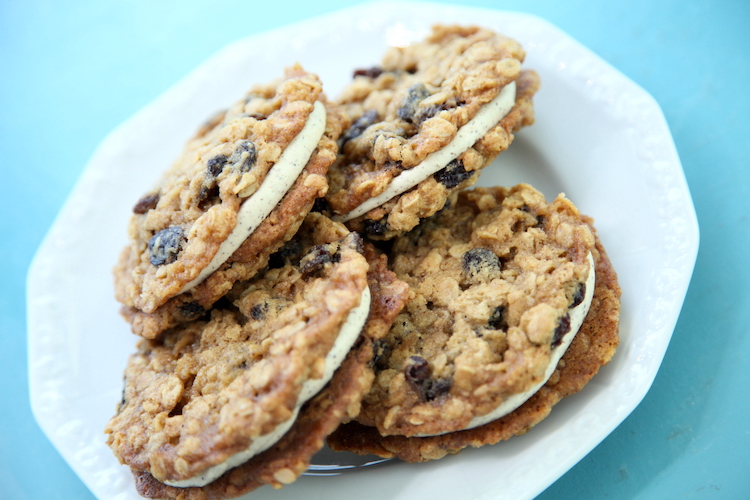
(254, 170)
(424, 123)
(592, 347)
(338, 401)
(207, 395)
(500, 283)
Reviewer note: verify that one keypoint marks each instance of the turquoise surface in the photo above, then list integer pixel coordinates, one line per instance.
(72, 71)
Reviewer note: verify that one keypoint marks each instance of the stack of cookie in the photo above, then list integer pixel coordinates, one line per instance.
(311, 270)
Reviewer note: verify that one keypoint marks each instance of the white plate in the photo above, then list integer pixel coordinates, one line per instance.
(599, 138)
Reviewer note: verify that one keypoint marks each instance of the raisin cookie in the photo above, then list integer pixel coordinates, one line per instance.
(338, 401)
(209, 395)
(592, 347)
(239, 190)
(424, 123)
(501, 282)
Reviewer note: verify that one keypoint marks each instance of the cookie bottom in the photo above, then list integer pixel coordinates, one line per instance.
(592, 348)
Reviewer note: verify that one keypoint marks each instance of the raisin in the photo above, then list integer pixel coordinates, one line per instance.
(417, 370)
(289, 252)
(360, 124)
(373, 72)
(414, 95)
(215, 165)
(250, 153)
(453, 174)
(435, 388)
(354, 240)
(418, 375)
(146, 203)
(164, 246)
(427, 112)
(191, 310)
(208, 196)
(579, 295)
(477, 260)
(316, 259)
(563, 327)
(498, 320)
(209, 191)
(376, 227)
(258, 311)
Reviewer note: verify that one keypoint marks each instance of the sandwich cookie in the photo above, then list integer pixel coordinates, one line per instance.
(424, 123)
(515, 305)
(217, 407)
(238, 192)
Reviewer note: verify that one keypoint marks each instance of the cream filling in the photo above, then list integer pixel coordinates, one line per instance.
(577, 315)
(348, 335)
(488, 116)
(278, 181)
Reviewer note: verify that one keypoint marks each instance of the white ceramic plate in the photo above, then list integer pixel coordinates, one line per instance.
(599, 138)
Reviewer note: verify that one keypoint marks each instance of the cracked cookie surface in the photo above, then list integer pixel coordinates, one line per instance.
(592, 348)
(180, 224)
(338, 402)
(493, 280)
(413, 105)
(206, 390)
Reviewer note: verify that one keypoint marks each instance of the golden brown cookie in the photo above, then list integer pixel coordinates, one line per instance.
(424, 123)
(495, 281)
(254, 170)
(591, 348)
(338, 402)
(207, 395)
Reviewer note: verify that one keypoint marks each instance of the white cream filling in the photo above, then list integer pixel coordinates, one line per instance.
(347, 337)
(278, 181)
(577, 315)
(488, 116)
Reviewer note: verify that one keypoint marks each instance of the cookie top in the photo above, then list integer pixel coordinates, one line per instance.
(229, 178)
(424, 123)
(496, 280)
(337, 402)
(208, 394)
(592, 347)
(276, 229)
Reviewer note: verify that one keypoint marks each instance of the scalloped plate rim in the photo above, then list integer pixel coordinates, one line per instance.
(667, 289)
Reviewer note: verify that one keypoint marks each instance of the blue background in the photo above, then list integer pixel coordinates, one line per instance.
(72, 71)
